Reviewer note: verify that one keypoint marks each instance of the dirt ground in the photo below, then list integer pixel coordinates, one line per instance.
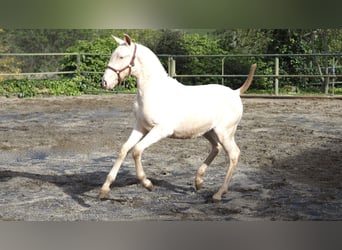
(56, 152)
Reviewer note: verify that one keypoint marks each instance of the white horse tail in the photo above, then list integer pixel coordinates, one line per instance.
(248, 82)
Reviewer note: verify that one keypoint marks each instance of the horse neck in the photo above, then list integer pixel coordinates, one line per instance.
(150, 69)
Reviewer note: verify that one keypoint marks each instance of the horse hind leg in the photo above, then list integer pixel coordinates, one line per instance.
(216, 148)
(229, 145)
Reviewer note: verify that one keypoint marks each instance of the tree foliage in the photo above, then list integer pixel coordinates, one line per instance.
(195, 44)
(180, 42)
(7, 63)
(171, 43)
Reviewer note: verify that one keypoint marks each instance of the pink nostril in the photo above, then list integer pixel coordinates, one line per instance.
(104, 83)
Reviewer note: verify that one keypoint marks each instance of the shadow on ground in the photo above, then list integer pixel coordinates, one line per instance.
(76, 185)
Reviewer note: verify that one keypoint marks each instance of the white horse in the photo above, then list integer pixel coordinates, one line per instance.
(166, 108)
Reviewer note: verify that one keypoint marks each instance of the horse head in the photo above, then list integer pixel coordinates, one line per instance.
(120, 63)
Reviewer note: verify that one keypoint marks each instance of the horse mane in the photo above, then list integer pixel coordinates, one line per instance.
(154, 61)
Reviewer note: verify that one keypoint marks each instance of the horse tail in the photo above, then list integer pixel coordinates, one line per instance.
(248, 82)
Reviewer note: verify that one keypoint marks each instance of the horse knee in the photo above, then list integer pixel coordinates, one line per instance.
(136, 152)
(233, 152)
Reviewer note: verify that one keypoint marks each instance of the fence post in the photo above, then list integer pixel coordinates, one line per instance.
(327, 78)
(171, 66)
(78, 63)
(222, 70)
(333, 78)
(276, 79)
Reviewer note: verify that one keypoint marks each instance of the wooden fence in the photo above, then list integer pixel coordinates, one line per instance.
(329, 73)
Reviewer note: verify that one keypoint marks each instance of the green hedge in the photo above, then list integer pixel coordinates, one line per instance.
(55, 87)
(30, 88)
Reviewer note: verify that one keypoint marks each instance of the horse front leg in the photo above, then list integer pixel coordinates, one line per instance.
(152, 137)
(134, 138)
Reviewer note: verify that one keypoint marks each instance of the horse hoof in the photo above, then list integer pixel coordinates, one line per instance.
(199, 184)
(103, 194)
(148, 185)
(216, 198)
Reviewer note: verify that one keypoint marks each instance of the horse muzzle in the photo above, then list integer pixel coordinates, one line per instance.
(104, 84)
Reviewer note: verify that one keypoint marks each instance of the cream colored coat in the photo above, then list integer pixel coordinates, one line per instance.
(166, 108)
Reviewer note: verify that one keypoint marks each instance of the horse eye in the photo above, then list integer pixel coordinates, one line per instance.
(121, 57)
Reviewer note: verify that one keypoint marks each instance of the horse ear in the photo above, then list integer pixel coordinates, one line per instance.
(128, 40)
(118, 40)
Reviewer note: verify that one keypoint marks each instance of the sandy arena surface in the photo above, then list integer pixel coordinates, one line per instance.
(56, 152)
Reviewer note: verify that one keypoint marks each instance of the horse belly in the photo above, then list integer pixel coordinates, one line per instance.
(187, 130)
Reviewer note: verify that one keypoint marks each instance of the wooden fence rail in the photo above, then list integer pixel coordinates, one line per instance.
(327, 75)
